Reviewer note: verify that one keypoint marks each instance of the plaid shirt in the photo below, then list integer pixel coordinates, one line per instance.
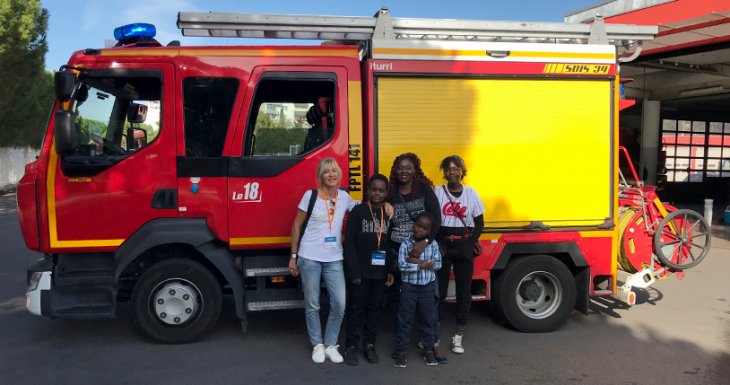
(410, 272)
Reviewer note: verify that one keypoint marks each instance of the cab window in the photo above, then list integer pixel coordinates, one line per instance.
(291, 116)
(208, 103)
(116, 116)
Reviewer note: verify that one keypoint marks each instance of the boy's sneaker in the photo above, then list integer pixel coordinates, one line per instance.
(333, 355)
(351, 356)
(400, 359)
(430, 358)
(318, 354)
(370, 354)
(456, 344)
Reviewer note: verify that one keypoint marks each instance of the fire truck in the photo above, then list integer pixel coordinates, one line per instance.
(203, 206)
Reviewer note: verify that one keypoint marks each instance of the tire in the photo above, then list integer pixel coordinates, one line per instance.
(176, 301)
(682, 240)
(535, 294)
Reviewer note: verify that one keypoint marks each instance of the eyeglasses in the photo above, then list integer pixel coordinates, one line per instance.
(332, 207)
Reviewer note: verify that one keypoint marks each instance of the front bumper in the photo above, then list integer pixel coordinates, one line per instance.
(39, 286)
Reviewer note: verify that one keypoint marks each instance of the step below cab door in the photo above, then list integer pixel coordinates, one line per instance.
(281, 147)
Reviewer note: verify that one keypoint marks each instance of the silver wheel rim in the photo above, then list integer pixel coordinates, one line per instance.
(176, 301)
(539, 295)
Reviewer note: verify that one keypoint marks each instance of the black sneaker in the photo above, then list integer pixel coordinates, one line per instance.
(370, 354)
(400, 359)
(351, 356)
(430, 358)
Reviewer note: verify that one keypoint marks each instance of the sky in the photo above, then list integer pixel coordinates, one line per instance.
(80, 24)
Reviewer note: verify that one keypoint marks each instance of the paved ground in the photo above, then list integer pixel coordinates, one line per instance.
(679, 333)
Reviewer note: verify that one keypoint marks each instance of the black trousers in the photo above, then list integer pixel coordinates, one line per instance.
(459, 255)
(364, 302)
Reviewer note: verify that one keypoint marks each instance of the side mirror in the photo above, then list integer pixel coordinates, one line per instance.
(64, 84)
(67, 136)
(136, 113)
(140, 136)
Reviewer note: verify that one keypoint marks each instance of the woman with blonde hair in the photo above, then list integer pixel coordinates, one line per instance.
(318, 253)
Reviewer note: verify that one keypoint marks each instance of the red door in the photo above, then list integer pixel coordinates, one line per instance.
(278, 160)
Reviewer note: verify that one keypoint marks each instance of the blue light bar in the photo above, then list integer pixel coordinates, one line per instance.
(134, 30)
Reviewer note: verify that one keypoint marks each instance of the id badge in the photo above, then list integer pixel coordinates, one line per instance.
(378, 258)
(330, 242)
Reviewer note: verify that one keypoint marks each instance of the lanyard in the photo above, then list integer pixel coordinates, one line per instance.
(382, 221)
(330, 211)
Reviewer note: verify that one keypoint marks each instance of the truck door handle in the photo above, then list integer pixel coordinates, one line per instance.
(498, 54)
(165, 198)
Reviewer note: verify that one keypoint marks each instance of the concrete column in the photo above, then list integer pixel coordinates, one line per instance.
(650, 140)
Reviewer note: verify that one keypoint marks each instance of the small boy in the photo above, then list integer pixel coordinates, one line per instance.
(417, 292)
(367, 270)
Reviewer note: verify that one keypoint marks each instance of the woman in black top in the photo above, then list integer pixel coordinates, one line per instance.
(410, 193)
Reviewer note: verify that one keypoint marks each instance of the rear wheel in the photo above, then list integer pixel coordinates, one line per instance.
(176, 301)
(535, 294)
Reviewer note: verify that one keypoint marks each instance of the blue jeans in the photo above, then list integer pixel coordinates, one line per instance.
(334, 281)
(416, 299)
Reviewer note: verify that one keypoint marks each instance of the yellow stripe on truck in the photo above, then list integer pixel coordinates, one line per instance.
(259, 241)
(56, 243)
(355, 159)
(482, 53)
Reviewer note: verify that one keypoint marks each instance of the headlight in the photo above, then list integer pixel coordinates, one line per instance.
(34, 280)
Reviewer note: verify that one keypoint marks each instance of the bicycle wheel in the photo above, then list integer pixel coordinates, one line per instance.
(682, 240)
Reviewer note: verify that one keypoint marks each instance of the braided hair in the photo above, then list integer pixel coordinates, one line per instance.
(420, 180)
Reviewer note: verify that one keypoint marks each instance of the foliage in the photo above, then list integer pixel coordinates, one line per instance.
(90, 126)
(27, 94)
(272, 141)
(275, 136)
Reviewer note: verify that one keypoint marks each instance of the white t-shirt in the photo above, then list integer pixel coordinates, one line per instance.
(312, 245)
(468, 205)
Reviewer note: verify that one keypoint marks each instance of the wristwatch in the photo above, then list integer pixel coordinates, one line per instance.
(293, 255)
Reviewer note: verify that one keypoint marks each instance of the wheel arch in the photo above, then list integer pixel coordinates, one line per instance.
(566, 252)
(182, 233)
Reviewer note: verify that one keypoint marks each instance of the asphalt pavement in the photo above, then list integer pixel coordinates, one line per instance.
(678, 333)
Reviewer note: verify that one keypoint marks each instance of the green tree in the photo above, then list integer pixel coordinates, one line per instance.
(27, 94)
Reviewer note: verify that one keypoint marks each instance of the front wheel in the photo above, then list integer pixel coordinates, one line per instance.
(535, 294)
(176, 301)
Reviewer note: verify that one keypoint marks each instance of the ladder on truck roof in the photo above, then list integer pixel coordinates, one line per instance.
(627, 38)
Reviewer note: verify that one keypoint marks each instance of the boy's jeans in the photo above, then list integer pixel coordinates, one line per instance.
(414, 297)
(334, 280)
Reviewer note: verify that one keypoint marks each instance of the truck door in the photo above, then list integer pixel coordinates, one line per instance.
(281, 148)
(99, 195)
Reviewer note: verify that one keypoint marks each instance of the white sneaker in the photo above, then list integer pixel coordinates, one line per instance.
(333, 355)
(318, 354)
(456, 344)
